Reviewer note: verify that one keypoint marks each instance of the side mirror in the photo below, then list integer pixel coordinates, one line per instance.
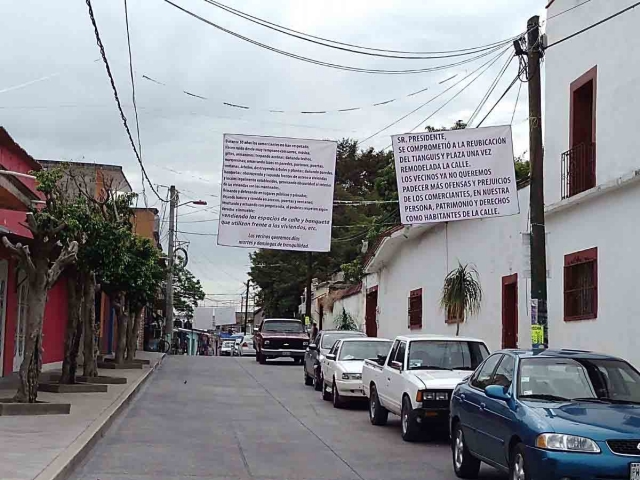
(313, 346)
(497, 392)
(397, 365)
(331, 356)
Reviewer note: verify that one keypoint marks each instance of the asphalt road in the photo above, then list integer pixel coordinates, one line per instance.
(235, 419)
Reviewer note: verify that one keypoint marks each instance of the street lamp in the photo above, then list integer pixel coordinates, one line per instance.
(193, 202)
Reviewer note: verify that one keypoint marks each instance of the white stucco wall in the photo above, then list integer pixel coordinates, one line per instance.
(608, 46)
(494, 246)
(353, 305)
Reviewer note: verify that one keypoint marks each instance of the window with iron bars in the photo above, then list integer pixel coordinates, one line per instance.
(581, 285)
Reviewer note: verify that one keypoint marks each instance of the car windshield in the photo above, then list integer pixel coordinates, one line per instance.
(282, 326)
(328, 339)
(363, 350)
(580, 379)
(446, 355)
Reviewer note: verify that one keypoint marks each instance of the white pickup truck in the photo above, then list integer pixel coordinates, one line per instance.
(416, 378)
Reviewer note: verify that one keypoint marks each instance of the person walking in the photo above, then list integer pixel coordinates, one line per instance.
(314, 331)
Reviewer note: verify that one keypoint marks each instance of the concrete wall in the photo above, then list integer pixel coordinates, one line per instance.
(617, 101)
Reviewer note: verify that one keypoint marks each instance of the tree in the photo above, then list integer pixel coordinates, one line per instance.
(43, 261)
(345, 321)
(523, 168)
(187, 291)
(461, 294)
(146, 274)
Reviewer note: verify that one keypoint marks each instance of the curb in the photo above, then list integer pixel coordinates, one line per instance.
(65, 463)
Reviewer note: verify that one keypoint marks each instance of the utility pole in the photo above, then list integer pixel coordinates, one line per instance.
(173, 202)
(307, 309)
(246, 309)
(539, 326)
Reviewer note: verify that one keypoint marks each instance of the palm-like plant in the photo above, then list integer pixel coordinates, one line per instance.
(461, 293)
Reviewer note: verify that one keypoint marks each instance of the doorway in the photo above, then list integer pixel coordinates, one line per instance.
(21, 320)
(4, 269)
(510, 311)
(371, 310)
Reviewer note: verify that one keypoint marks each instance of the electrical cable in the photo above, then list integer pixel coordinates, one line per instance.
(515, 107)
(303, 36)
(567, 10)
(333, 65)
(487, 95)
(499, 100)
(395, 122)
(604, 20)
(117, 99)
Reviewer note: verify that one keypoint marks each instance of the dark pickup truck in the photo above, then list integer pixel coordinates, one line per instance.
(279, 337)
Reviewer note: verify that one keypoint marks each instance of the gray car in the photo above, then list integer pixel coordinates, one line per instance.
(318, 348)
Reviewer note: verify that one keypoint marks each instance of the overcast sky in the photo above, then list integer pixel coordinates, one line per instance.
(70, 113)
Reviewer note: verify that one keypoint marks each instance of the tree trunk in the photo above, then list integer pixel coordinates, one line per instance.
(132, 334)
(119, 305)
(32, 361)
(90, 367)
(75, 298)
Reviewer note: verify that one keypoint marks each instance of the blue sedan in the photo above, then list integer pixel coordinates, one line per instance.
(548, 415)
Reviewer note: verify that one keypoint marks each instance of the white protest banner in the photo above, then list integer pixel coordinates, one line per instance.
(455, 175)
(277, 193)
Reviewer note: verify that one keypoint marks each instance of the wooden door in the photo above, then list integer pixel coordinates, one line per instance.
(371, 310)
(510, 311)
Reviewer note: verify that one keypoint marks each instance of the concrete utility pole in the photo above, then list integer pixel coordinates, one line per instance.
(246, 309)
(539, 326)
(173, 203)
(307, 310)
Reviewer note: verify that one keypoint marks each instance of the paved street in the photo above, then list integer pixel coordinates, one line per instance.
(236, 419)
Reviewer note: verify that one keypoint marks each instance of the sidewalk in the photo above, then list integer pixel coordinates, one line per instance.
(44, 447)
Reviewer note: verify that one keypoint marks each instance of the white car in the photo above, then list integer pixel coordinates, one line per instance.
(228, 348)
(417, 378)
(245, 346)
(342, 367)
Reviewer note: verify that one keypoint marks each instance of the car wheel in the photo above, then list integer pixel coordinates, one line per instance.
(465, 465)
(307, 379)
(335, 397)
(262, 359)
(326, 395)
(377, 413)
(410, 427)
(518, 469)
(317, 381)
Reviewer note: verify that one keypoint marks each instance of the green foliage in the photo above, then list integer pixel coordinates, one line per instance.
(145, 273)
(345, 321)
(187, 291)
(523, 168)
(353, 271)
(461, 293)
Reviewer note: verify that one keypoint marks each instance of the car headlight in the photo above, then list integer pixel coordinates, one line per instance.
(566, 443)
(427, 396)
(352, 376)
(266, 342)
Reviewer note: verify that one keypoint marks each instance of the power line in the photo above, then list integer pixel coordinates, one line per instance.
(580, 32)
(333, 65)
(499, 100)
(308, 111)
(567, 10)
(395, 122)
(492, 87)
(515, 107)
(117, 99)
(343, 46)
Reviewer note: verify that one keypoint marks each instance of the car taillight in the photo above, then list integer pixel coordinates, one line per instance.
(245, 344)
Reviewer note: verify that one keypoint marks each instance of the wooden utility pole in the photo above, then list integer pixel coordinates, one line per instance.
(246, 308)
(539, 327)
(307, 310)
(173, 202)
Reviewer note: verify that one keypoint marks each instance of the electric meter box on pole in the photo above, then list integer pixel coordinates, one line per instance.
(277, 193)
(454, 175)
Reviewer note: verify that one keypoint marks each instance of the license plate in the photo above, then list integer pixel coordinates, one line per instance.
(286, 354)
(634, 474)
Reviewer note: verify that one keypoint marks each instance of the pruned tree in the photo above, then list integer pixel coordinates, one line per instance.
(43, 260)
(461, 294)
(345, 321)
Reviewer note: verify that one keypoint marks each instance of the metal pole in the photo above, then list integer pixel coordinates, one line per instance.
(307, 312)
(173, 202)
(539, 326)
(246, 309)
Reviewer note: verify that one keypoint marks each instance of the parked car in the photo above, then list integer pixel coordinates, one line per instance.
(228, 348)
(416, 379)
(318, 348)
(342, 367)
(245, 346)
(549, 414)
(279, 337)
